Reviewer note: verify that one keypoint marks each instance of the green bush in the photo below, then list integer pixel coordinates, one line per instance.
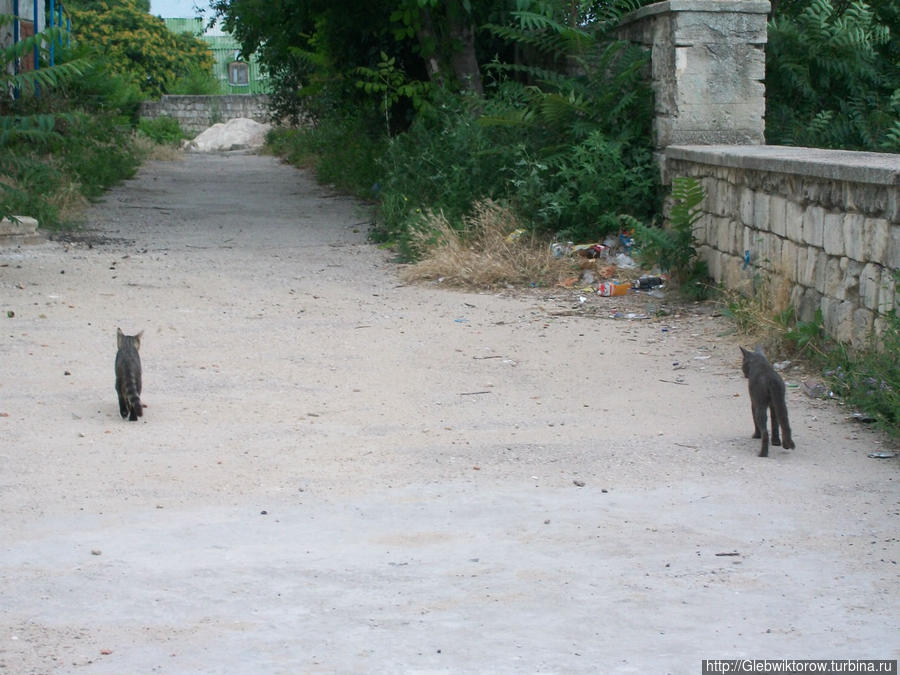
(342, 151)
(196, 82)
(580, 195)
(163, 130)
(831, 81)
(445, 163)
(70, 142)
(97, 152)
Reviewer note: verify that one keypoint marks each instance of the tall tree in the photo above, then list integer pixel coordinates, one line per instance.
(303, 41)
(137, 45)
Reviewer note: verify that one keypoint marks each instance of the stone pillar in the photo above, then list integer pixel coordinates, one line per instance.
(707, 68)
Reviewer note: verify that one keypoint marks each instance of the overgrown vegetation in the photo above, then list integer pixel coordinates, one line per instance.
(672, 248)
(561, 138)
(833, 75)
(66, 133)
(162, 130)
(137, 46)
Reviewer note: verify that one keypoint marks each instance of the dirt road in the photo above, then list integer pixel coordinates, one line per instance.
(336, 472)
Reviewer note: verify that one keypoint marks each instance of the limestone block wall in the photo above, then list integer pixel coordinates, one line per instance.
(826, 221)
(707, 69)
(196, 113)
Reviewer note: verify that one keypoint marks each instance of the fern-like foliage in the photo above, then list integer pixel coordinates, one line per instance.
(577, 75)
(830, 81)
(16, 127)
(673, 248)
(584, 107)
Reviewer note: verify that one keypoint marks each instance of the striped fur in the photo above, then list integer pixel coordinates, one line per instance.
(128, 375)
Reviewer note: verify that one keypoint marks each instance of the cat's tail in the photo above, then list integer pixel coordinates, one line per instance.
(781, 414)
(132, 396)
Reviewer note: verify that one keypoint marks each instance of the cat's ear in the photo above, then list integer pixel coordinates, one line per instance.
(137, 339)
(744, 352)
(119, 336)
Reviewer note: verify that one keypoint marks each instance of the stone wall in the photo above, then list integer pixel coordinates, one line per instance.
(707, 66)
(825, 221)
(196, 113)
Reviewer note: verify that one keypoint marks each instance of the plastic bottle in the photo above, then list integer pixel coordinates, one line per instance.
(613, 289)
(647, 282)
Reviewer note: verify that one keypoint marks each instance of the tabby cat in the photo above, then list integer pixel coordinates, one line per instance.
(128, 375)
(766, 393)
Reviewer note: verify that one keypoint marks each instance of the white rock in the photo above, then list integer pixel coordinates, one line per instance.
(237, 134)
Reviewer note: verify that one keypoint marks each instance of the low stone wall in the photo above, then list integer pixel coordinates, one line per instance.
(22, 230)
(196, 113)
(826, 221)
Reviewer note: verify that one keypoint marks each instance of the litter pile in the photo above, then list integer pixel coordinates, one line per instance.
(607, 269)
(236, 134)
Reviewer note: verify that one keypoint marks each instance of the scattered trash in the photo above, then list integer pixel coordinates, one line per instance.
(646, 282)
(627, 241)
(560, 250)
(815, 389)
(628, 315)
(882, 455)
(10, 314)
(722, 555)
(625, 261)
(609, 289)
(515, 235)
(590, 250)
(781, 365)
(862, 418)
(579, 483)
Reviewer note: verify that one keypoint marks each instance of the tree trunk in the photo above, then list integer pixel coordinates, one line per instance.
(463, 59)
(449, 49)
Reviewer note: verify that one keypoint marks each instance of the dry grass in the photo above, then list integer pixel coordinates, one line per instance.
(69, 200)
(483, 254)
(156, 151)
(755, 310)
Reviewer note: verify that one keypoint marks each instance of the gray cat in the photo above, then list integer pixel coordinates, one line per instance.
(766, 393)
(128, 375)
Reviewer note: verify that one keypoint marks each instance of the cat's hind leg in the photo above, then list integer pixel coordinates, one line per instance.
(759, 419)
(123, 403)
(776, 437)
